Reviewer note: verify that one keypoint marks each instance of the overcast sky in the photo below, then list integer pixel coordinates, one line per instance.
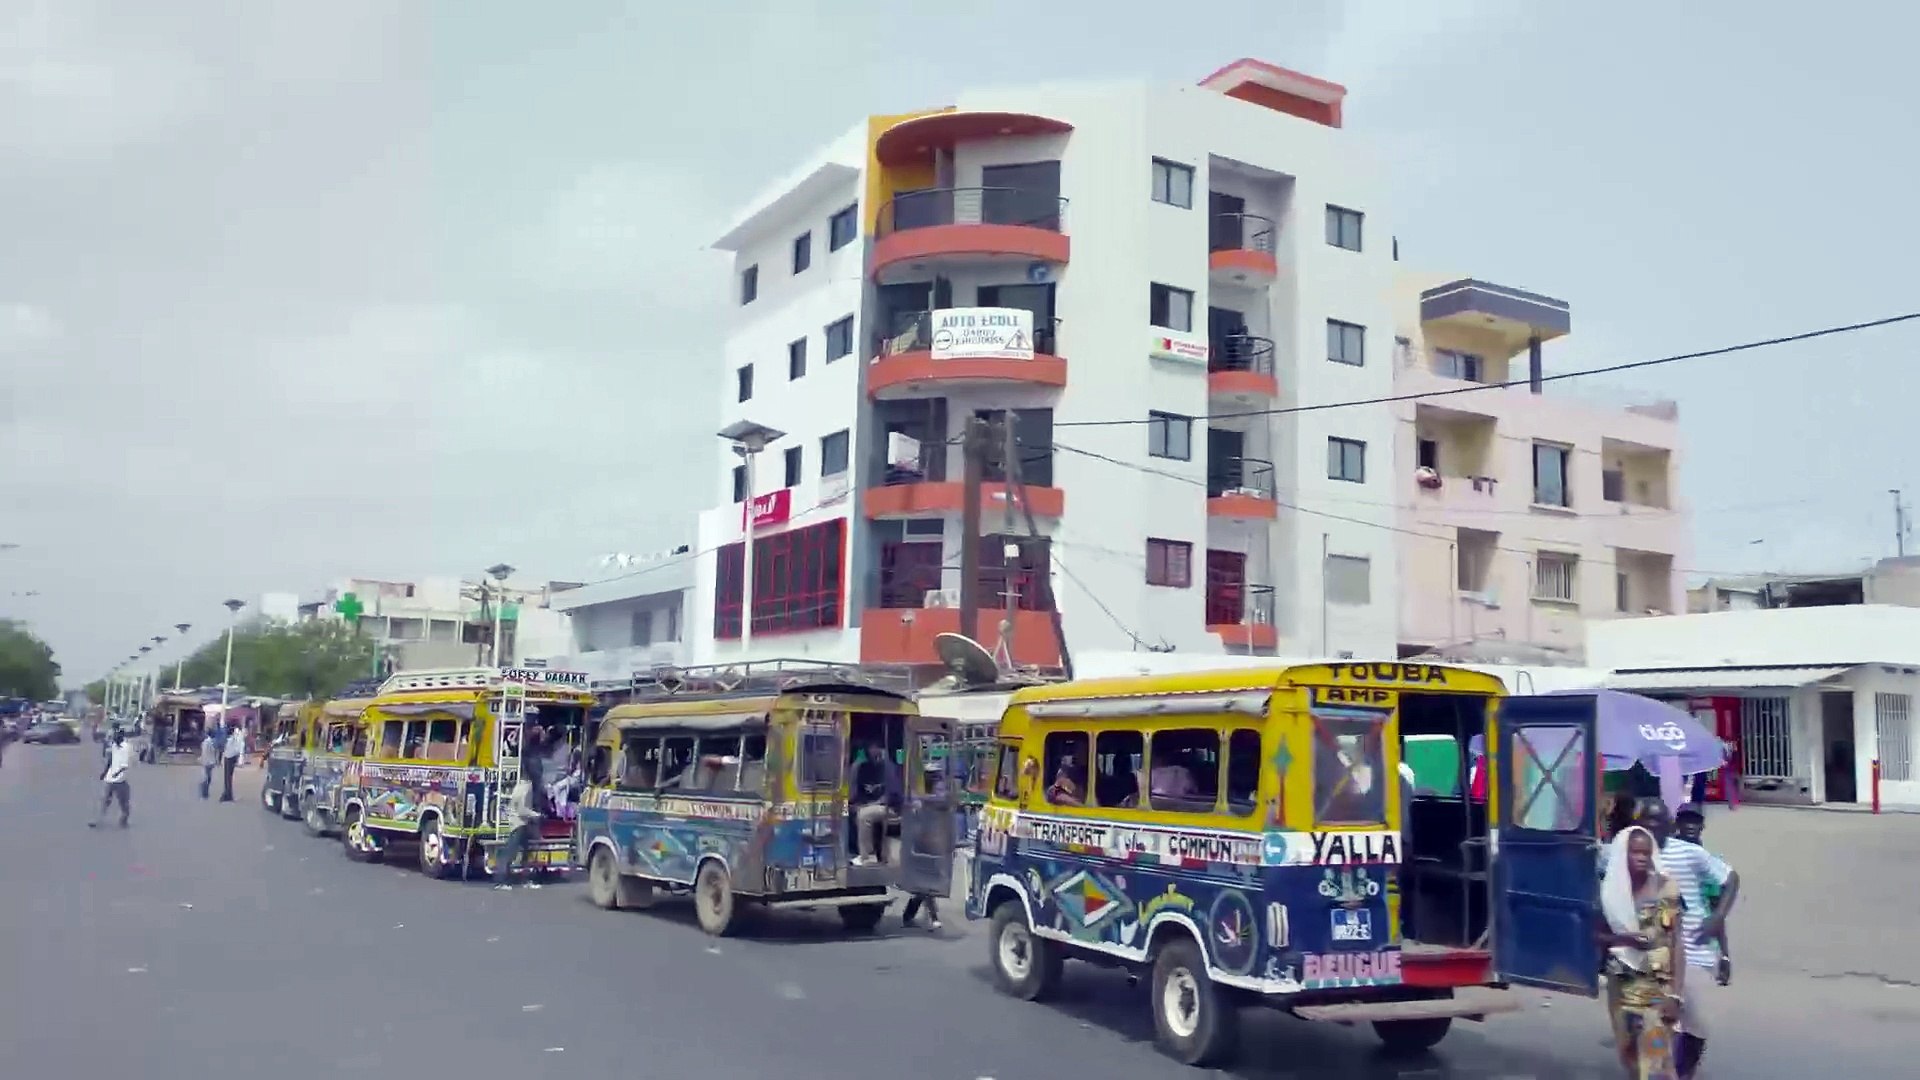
(296, 291)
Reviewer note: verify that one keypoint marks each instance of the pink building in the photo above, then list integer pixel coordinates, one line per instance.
(1525, 510)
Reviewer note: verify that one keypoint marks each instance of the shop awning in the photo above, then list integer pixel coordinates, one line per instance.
(1723, 678)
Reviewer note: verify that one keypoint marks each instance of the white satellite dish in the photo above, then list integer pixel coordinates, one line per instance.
(967, 659)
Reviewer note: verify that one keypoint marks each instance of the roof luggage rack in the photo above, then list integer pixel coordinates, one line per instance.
(761, 677)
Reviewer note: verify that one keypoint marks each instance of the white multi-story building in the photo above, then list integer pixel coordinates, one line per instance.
(1171, 253)
(629, 623)
(436, 621)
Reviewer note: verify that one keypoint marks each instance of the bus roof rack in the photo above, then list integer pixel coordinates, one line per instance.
(762, 677)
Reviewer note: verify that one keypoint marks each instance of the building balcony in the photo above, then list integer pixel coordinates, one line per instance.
(1514, 316)
(1240, 368)
(906, 635)
(1241, 489)
(920, 141)
(920, 231)
(909, 498)
(1242, 615)
(1460, 501)
(1240, 250)
(916, 361)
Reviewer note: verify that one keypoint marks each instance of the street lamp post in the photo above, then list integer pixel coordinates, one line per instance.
(500, 572)
(748, 439)
(180, 665)
(226, 677)
(140, 695)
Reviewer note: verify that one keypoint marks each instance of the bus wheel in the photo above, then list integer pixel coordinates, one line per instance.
(356, 839)
(1196, 1021)
(603, 880)
(269, 801)
(436, 855)
(289, 806)
(315, 818)
(1412, 1036)
(862, 918)
(713, 898)
(1024, 966)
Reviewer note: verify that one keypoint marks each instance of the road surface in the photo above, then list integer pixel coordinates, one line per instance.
(219, 940)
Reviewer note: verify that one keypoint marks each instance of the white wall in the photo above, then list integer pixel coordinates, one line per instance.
(1866, 684)
(1814, 636)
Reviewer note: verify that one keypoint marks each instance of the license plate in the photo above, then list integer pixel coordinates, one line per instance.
(551, 858)
(1352, 924)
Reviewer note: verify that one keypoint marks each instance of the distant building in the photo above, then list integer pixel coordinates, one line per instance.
(437, 622)
(1894, 582)
(629, 623)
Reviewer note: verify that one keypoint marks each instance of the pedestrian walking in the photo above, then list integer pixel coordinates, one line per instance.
(525, 816)
(1690, 825)
(230, 760)
(210, 749)
(119, 762)
(1693, 868)
(1646, 977)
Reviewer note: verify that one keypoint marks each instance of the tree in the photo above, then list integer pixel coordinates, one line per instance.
(27, 669)
(97, 691)
(292, 660)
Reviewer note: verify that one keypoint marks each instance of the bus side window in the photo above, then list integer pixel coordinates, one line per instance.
(753, 764)
(1185, 771)
(1118, 757)
(1006, 774)
(1065, 768)
(640, 764)
(362, 738)
(676, 762)
(599, 767)
(1243, 771)
(392, 738)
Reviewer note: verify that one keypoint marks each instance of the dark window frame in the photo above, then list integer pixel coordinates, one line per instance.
(1160, 428)
(1337, 465)
(1160, 297)
(1344, 225)
(749, 284)
(743, 382)
(796, 358)
(1162, 189)
(803, 252)
(799, 581)
(791, 461)
(843, 227)
(1169, 563)
(1337, 331)
(831, 450)
(843, 327)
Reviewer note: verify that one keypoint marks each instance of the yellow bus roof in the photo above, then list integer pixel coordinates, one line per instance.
(1393, 675)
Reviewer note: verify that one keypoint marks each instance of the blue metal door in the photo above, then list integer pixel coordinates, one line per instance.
(1546, 881)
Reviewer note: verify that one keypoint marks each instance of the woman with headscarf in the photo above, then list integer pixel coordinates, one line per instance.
(1645, 963)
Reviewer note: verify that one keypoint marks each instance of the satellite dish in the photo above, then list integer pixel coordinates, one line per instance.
(969, 661)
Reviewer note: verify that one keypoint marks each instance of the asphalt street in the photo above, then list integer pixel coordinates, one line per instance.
(220, 940)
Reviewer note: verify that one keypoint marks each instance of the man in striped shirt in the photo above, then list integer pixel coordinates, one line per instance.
(1691, 867)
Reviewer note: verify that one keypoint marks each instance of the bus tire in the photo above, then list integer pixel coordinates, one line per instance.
(355, 838)
(436, 851)
(1195, 1021)
(1412, 1036)
(862, 918)
(289, 806)
(315, 819)
(713, 899)
(1024, 965)
(603, 880)
(269, 800)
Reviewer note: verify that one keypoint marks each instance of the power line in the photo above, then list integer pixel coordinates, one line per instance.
(1472, 388)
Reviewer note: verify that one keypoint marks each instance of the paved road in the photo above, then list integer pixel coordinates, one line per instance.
(217, 938)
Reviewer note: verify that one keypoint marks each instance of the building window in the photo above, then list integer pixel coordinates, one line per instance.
(642, 629)
(1346, 343)
(1622, 592)
(673, 622)
(1553, 576)
(842, 227)
(1173, 183)
(803, 251)
(833, 454)
(1170, 308)
(1403, 351)
(739, 483)
(1169, 563)
(1613, 485)
(1348, 579)
(749, 284)
(796, 581)
(1343, 227)
(1893, 721)
(1347, 460)
(1458, 365)
(1550, 486)
(1170, 435)
(796, 358)
(791, 459)
(743, 381)
(839, 339)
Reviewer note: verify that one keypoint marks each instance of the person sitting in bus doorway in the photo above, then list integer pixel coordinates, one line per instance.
(1691, 867)
(876, 790)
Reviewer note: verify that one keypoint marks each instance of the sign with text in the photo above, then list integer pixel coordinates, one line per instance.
(547, 676)
(983, 334)
(773, 508)
(1173, 348)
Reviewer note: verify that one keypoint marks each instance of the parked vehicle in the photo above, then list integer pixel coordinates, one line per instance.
(52, 732)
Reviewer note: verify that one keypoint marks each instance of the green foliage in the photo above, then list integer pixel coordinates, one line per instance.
(97, 691)
(291, 660)
(26, 665)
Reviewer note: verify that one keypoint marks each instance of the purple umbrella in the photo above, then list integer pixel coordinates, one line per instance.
(1633, 728)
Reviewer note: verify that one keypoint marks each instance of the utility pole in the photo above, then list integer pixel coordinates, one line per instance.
(974, 447)
(1899, 523)
(1010, 549)
(1017, 480)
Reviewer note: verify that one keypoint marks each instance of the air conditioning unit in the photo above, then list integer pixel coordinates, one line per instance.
(1248, 493)
(941, 598)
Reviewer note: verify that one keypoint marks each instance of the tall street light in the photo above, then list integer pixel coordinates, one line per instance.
(500, 573)
(140, 694)
(233, 616)
(748, 439)
(180, 665)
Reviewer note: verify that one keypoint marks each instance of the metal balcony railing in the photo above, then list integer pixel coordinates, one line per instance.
(1231, 602)
(971, 206)
(1240, 476)
(1241, 352)
(912, 331)
(1240, 232)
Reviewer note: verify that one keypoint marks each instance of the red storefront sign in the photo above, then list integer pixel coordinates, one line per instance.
(773, 508)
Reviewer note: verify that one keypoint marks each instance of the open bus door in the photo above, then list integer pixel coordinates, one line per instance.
(926, 812)
(1546, 881)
